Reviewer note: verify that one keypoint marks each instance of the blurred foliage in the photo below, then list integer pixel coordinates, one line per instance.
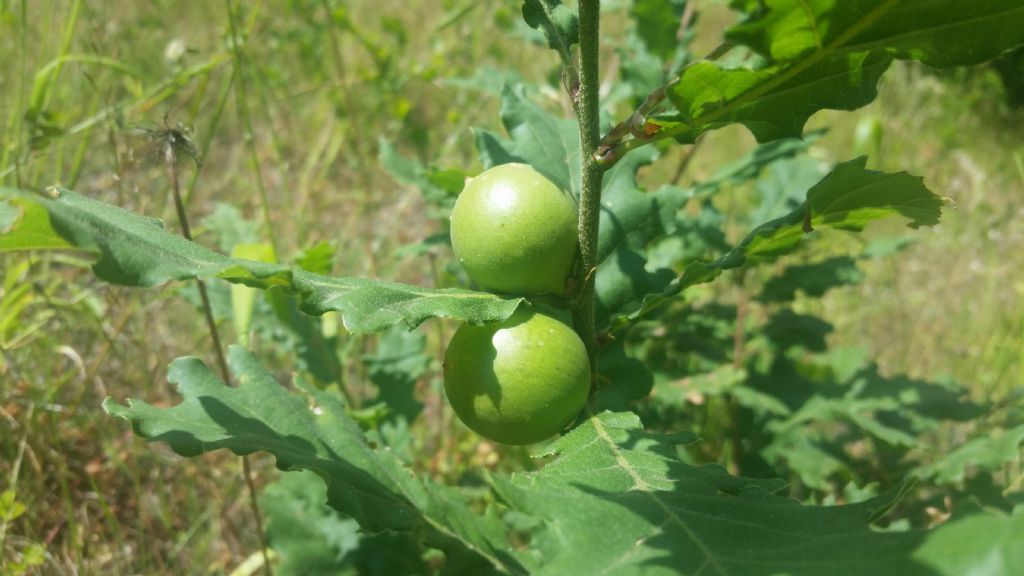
(758, 365)
(1010, 67)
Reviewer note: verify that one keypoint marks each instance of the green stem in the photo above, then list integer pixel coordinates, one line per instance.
(586, 104)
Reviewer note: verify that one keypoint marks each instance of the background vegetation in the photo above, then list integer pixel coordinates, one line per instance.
(291, 104)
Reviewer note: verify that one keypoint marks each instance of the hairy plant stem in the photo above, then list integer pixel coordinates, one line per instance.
(586, 104)
(172, 142)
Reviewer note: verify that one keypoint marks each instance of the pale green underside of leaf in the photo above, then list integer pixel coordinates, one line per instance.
(988, 451)
(848, 198)
(135, 250)
(25, 225)
(558, 22)
(313, 432)
(985, 544)
(823, 54)
(549, 144)
(771, 104)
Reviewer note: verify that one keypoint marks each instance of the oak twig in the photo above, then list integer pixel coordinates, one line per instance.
(586, 103)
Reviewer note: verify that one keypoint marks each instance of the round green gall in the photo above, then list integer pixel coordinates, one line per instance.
(514, 231)
(518, 381)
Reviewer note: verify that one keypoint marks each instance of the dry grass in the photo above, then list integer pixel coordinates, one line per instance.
(320, 95)
(950, 305)
(98, 500)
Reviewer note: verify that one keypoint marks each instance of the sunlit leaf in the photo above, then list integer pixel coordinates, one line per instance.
(983, 544)
(989, 451)
(314, 433)
(558, 22)
(822, 54)
(617, 500)
(25, 225)
(135, 250)
(940, 33)
(849, 198)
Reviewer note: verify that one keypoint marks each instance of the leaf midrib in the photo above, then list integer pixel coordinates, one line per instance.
(268, 443)
(648, 491)
(881, 43)
(788, 73)
(837, 47)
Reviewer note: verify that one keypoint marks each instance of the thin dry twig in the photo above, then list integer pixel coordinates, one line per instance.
(174, 142)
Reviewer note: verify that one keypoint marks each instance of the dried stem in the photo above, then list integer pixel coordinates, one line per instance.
(636, 130)
(172, 141)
